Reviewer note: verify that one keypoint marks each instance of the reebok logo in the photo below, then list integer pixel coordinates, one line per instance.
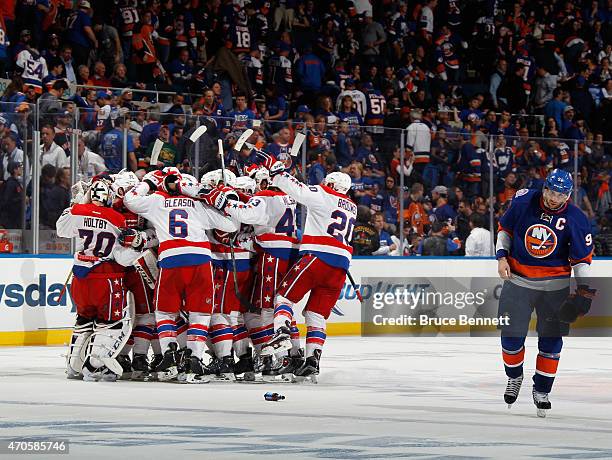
(33, 295)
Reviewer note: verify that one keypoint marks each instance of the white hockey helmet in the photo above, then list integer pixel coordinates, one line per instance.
(213, 178)
(101, 192)
(262, 178)
(338, 181)
(245, 184)
(123, 182)
(188, 179)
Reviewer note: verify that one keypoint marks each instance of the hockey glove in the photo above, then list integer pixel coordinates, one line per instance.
(277, 168)
(170, 184)
(267, 159)
(154, 179)
(130, 238)
(577, 304)
(222, 237)
(217, 197)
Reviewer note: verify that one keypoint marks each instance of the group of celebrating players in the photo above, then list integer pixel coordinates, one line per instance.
(214, 268)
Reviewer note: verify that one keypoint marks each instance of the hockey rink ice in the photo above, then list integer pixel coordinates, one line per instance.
(396, 397)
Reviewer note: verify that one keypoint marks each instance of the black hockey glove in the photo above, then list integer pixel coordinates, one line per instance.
(577, 304)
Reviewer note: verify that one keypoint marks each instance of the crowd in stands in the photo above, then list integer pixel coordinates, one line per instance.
(485, 97)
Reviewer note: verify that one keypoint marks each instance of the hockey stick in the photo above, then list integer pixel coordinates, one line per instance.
(297, 144)
(242, 139)
(198, 133)
(61, 294)
(350, 277)
(155, 152)
(244, 302)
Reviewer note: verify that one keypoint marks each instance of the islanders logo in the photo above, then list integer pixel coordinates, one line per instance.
(540, 241)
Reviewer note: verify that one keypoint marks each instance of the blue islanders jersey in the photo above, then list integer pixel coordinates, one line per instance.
(544, 244)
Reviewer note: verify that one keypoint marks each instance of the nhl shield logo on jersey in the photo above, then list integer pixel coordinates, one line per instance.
(540, 241)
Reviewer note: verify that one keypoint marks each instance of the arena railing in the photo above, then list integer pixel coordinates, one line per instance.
(79, 128)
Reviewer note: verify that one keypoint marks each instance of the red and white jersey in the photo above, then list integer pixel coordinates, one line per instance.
(243, 252)
(330, 220)
(272, 215)
(97, 229)
(136, 222)
(180, 224)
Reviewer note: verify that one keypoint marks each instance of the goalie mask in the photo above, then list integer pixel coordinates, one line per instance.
(338, 181)
(101, 192)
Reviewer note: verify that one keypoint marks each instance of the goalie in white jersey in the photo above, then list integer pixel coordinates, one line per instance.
(325, 256)
(103, 323)
(185, 280)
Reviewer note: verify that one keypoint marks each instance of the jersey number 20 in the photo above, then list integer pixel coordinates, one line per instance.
(341, 229)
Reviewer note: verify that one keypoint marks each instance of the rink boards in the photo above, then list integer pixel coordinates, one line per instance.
(30, 313)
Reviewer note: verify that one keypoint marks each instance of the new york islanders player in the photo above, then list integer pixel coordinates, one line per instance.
(97, 288)
(325, 256)
(542, 238)
(272, 214)
(185, 280)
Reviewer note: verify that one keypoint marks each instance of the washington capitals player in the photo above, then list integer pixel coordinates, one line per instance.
(97, 289)
(185, 280)
(325, 256)
(272, 214)
(541, 239)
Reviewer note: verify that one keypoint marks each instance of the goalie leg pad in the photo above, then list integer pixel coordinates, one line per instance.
(107, 341)
(79, 342)
(146, 266)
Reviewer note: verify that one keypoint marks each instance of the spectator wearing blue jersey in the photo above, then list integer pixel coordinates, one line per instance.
(111, 148)
(181, 71)
(310, 71)
(443, 211)
(315, 170)
(80, 33)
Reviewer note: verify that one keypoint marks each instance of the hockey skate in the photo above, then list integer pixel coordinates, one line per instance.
(100, 374)
(195, 371)
(512, 390)
(541, 402)
(167, 368)
(280, 341)
(140, 367)
(244, 369)
(225, 370)
(284, 369)
(309, 371)
(182, 363)
(126, 365)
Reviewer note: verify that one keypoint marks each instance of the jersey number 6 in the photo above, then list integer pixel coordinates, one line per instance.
(177, 227)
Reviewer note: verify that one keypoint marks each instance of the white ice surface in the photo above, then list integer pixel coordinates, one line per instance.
(377, 398)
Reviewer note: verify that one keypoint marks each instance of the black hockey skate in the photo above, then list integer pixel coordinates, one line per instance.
(284, 368)
(309, 370)
(225, 369)
(541, 402)
(512, 390)
(167, 368)
(140, 367)
(244, 369)
(126, 365)
(194, 370)
(280, 341)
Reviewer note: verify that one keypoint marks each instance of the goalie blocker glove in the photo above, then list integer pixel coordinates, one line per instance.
(577, 304)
